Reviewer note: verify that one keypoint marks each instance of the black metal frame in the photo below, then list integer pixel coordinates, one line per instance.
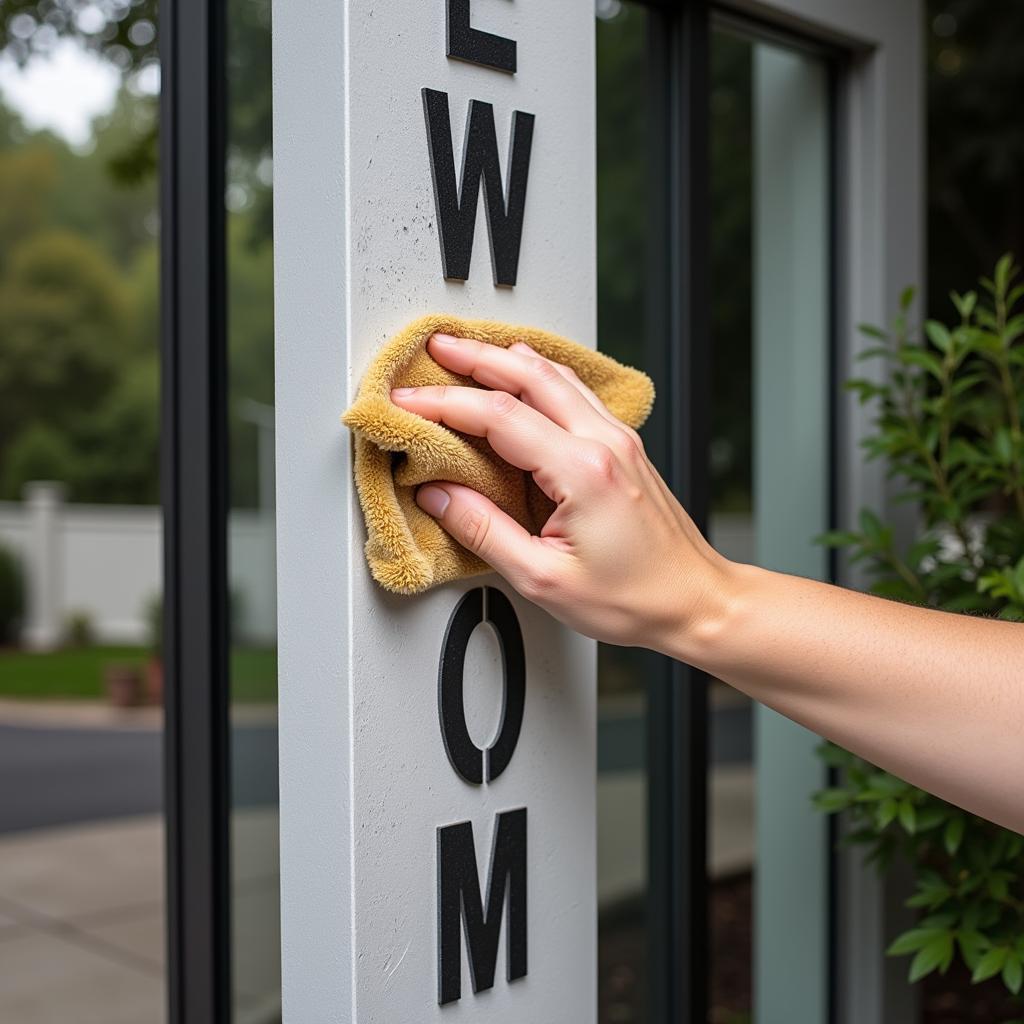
(194, 482)
(678, 48)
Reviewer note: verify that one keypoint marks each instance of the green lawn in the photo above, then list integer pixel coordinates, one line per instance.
(77, 673)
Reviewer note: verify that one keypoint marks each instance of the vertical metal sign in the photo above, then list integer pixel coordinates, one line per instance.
(437, 753)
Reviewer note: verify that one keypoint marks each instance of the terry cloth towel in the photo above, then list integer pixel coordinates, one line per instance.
(396, 450)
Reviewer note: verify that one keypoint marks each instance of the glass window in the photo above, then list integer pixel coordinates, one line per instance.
(623, 146)
(81, 816)
(767, 859)
(255, 885)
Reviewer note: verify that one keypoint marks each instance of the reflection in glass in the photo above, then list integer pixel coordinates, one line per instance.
(623, 217)
(256, 961)
(768, 461)
(81, 810)
(731, 524)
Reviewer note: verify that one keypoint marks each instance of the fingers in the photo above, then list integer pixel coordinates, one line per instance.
(538, 382)
(520, 435)
(570, 376)
(479, 525)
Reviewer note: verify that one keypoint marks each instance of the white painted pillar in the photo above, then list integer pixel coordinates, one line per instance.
(366, 783)
(43, 501)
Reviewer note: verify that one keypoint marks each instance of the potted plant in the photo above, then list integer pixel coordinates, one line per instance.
(124, 684)
(948, 425)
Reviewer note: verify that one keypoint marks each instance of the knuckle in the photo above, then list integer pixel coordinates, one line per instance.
(474, 527)
(624, 446)
(544, 372)
(638, 442)
(602, 462)
(502, 403)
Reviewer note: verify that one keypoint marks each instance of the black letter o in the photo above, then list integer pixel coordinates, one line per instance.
(484, 604)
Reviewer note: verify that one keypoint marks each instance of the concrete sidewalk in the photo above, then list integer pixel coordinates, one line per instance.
(82, 923)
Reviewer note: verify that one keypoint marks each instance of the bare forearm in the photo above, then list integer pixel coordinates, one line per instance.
(934, 698)
(930, 696)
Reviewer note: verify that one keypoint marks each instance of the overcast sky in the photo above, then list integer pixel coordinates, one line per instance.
(62, 92)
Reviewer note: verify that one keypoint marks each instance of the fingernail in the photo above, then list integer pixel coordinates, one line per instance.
(445, 339)
(402, 392)
(433, 500)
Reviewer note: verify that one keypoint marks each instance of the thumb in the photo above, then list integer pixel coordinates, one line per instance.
(479, 525)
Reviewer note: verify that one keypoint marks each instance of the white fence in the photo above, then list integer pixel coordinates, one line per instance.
(105, 561)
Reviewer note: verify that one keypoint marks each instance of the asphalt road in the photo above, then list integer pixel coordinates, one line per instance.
(54, 777)
(64, 776)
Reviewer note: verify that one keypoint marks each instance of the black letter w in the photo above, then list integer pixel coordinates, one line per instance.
(456, 204)
(459, 899)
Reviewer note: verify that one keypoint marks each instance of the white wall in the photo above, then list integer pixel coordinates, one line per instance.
(105, 561)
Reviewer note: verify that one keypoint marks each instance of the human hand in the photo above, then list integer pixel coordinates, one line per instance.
(619, 559)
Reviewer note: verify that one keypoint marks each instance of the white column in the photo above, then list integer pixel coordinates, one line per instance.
(43, 565)
(365, 779)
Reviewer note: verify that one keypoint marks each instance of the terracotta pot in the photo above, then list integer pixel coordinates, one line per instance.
(124, 685)
(155, 680)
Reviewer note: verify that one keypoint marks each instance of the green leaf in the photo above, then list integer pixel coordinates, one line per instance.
(907, 297)
(886, 813)
(912, 941)
(1002, 277)
(953, 835)
(938, 335)
(832, 800)
(908, 817)
(990, 964)
(937, 954)
(998, 886)
(918, 357)
(1003, 444)
(1013, 973)
(871, 526)
(964, 303)
(837, 539)
(873, 332)
(972, 945)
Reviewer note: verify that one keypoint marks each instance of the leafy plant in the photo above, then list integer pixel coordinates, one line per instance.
(949, 426)
(79, 629)
(12, 595)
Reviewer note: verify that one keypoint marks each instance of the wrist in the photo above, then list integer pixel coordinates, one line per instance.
(716, 614)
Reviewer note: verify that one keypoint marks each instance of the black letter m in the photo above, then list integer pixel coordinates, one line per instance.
(456, 203)
(458, 900)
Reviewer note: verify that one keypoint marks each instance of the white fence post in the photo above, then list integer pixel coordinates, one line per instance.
(43, 564)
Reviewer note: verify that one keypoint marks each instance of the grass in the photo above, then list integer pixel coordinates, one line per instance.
(77, 673)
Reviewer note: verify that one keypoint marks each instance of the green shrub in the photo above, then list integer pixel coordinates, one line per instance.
(12, 596)
(948, 425)
(79, 629)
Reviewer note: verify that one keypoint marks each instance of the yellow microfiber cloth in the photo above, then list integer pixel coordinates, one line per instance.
(396, 450)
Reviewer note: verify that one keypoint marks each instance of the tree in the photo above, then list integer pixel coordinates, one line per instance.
(62, 338)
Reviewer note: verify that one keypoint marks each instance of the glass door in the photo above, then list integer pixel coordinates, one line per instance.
(772, 250)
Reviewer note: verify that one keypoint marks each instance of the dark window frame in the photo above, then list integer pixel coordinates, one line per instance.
(194, 500)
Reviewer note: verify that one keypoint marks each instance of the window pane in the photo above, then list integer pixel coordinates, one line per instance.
(623, 220)
(81, 822)
(768, 458)
(256, 956)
